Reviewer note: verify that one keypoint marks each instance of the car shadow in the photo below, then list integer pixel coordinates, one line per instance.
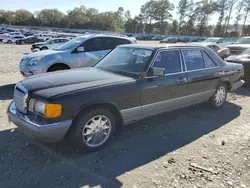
(6, 91)
(244, 91)
(139, 144)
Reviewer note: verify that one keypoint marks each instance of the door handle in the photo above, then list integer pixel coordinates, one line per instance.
(181, 80)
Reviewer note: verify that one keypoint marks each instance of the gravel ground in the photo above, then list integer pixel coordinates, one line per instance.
(188, 148)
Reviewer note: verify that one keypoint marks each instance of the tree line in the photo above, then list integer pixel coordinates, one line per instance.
(156, 16)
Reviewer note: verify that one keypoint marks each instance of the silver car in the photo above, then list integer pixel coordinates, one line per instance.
(48, 44)
(83, 51)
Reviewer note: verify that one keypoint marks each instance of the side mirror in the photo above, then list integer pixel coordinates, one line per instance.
(80, 49)
(156, 71)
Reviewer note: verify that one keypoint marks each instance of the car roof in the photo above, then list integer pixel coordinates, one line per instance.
(160, 46)
(103, 35)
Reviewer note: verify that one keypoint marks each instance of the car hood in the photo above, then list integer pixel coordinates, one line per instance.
(238, 58)
(41, 53)
(238, 45)
(55, 83)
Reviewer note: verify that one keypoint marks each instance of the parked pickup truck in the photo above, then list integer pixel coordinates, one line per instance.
(131, 83)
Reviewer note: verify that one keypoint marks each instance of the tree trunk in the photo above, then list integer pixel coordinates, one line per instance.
(244, 24)
(229, 18)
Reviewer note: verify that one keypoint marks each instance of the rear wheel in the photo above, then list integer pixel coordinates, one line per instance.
(93, 129)
(219, 97)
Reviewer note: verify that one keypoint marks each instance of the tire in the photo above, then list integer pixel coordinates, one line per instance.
(57, 68)
(44, 48)
(9, 41)
(86, 135)
(219, 97)
(21, 42)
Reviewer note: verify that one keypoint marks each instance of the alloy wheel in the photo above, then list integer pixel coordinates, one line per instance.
(220, 95)
(96, 131)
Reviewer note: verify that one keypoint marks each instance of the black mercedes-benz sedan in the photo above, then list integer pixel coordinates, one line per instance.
(132, 82)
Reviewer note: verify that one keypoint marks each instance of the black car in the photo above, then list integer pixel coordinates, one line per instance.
(131, 83)
(244, 59)
(29, 40)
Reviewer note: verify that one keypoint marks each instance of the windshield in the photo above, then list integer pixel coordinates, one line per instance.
(126, 60)
(211, 40)
(71, 44)
(243, 41)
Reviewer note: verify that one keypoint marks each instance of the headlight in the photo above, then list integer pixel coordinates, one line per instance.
(47, 110)
(35, 61)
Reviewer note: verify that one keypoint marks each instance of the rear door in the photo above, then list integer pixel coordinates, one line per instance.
(202, 75)
(167, 92)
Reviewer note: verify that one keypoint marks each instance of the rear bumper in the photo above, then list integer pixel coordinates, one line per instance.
(237, 85)
(48, 133)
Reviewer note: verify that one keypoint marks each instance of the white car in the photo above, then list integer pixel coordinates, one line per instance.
(13, 39)
(43, 36)
(49, 44)
(13, 34)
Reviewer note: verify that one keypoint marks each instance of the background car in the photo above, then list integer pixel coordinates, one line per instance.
(29, 40)
(13, 39)
(169, 40)
(83, 51)
(49, 44)
(214, 40)
(239, 46)
(244, 59)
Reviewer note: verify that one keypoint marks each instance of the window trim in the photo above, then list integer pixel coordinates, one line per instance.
(185, 66)
(163, 50)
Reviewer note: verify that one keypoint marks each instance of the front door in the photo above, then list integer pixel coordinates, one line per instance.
(202, 74)
(93, 51)
(160, 94)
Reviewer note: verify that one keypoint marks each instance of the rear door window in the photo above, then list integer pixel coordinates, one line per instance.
(112, 43)
(193, 60)
(169, 60)
(94, 44)
(208, 61)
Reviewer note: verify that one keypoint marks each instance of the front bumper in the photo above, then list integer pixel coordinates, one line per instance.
(237, 85)
(48, 133)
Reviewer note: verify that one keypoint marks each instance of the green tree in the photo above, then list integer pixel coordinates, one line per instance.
(174, 28)
(50, 17)
(239, 15)
(204, 9)
(222, 7)
(7, 17)
(184, 11)
(77, 17)
(24, 17)
(246, 9)
(162, 13)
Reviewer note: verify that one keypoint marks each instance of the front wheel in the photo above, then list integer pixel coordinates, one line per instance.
(9, 41)
(219, 97)
(92, 130)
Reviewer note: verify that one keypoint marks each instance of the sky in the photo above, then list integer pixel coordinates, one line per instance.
(65, 5)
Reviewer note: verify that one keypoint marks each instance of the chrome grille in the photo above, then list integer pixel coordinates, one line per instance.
(20, 98)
